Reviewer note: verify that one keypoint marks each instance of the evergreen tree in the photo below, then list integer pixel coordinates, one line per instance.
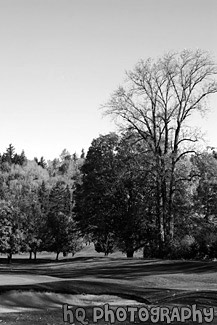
(22, 158)
(8, 156)
(82, 154)
(19, 159)
(60, 224)
(41, 162)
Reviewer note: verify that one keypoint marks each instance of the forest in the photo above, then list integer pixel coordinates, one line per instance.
(148, 186)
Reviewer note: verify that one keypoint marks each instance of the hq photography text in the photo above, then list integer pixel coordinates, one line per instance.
(74, 314)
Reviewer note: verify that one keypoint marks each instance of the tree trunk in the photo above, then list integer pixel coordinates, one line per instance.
(35, 254)
(171, 197)
(30, 255)
(57, 256)
(130, 253)
(172, 227)
(160, 220)
(9, 258)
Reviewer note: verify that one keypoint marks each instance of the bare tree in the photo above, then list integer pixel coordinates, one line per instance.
(157, 101)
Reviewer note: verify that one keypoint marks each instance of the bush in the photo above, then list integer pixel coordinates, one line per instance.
(186, 248)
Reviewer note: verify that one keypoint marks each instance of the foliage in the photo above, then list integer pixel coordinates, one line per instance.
(156, 102)
(133, 196)
(24, 199)
(11, 231)
(60, 224)
(11, 157)
(112, 204)
(93, 196)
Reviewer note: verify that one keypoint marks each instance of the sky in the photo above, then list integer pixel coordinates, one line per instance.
(60, 60)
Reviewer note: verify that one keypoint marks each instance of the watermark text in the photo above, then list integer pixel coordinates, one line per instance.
(134, 314)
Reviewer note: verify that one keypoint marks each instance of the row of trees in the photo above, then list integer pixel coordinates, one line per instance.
(109, 199)
(147, 187)
(36, 204)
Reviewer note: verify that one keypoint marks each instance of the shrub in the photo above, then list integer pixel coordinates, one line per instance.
(186, 248)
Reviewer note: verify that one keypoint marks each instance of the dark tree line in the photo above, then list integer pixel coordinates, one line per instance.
(116, 205)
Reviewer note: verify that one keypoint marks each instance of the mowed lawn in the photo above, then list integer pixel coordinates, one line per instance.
(150, 282)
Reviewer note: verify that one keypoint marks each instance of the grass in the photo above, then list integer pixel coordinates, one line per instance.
(152, 282)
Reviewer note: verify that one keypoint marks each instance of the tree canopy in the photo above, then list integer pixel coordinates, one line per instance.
(157, 101)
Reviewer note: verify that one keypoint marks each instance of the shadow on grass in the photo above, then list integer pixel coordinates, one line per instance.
(133, 269)
(41, 260)
(107, 268)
